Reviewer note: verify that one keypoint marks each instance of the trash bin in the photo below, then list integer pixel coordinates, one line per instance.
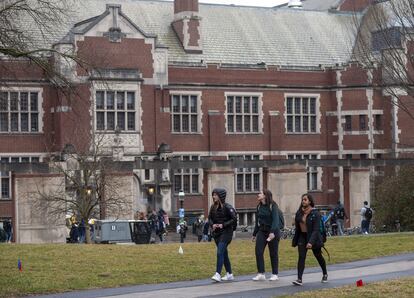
(140, 231)
(112, 231)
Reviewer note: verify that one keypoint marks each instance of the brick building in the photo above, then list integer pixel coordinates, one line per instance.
(189, 80)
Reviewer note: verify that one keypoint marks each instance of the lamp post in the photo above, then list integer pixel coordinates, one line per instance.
(151, 191)
(181, 196)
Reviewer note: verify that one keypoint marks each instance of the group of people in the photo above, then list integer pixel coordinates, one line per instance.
(77, 232)
(223, 219)
(158, 223)
(335, 220)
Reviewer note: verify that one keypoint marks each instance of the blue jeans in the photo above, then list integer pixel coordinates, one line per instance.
(364, 226)
(9, 236)
(223, 257)
(340, 223)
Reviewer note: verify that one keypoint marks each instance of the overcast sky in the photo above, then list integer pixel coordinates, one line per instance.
(266, 3)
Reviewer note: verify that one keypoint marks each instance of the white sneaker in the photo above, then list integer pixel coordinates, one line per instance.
(274, 277)
(216, 277)
(228, 277)
(259, 277)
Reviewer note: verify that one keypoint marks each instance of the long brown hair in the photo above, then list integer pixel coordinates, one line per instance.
(215, 206)
(268, 198)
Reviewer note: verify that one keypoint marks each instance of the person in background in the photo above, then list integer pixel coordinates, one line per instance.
(222, 217)
(207, 231)
(308, 236)
(340, 216)
(366, 216)
(161, 227)
(199, 225)
(182, 229)
(8, 228)
(267, 232)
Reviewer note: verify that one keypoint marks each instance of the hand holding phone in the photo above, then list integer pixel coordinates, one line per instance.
(271, 237)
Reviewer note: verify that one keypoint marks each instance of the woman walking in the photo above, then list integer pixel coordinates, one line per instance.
(221, 218)
(308, 236)
(267, 232)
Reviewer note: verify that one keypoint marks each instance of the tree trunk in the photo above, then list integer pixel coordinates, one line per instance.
(88, 233)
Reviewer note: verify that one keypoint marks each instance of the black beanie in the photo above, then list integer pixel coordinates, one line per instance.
(221, 192)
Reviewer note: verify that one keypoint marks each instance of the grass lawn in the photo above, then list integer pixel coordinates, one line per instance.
(65, 267)
(401, 288)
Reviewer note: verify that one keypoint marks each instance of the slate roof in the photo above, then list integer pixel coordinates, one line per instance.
(238, 34)
(321, 5)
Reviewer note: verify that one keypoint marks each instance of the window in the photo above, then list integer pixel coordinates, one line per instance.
(147, 175)
(301, 114)
(242, 114)
(389, 38)
(19, 159)
(348, 156)
(19, 111)
(184, 113)
(247, 179)
(115, 110)
(378, 122)
(348, 123)
(187, 179)
(312, 172)
(5, 181)
(363, 156)
(362, 122)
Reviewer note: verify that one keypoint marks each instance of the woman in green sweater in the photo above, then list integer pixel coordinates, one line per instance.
(266, 232)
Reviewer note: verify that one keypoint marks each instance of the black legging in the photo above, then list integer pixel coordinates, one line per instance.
(317, 252)
(273, 252)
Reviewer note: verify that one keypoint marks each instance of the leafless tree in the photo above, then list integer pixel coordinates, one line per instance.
(92, 187)
(28, 30)
(393, 199)
(385, 44)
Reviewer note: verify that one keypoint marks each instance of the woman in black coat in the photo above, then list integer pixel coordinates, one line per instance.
(221, 218)
(308, 236)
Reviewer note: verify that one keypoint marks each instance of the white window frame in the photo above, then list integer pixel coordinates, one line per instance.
(245, 172)
(39, 111)
(310, 171)
(191, 173)
(242, 113)
(317, 114)
(115, 110)
(198, 113)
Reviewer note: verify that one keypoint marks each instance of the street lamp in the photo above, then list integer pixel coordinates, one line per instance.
(181, 196)
(88, 190)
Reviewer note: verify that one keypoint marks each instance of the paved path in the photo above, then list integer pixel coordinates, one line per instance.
(340, 274)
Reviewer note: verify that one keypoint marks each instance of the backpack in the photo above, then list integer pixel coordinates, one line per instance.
(281, 218)
(368, 213)
(233, 214)
(322, 228)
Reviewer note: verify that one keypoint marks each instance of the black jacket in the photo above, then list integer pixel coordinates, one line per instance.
(313, 235)
(225, 216)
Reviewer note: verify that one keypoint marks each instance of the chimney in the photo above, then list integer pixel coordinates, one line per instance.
(354, 5)
(295, 4)
(187, 25)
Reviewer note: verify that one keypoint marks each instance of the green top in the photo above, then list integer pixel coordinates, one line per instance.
(267, 216)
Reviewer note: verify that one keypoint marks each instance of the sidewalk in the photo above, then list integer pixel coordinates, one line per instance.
(340, 274)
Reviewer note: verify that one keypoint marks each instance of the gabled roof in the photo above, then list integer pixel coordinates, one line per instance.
(239, 35)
